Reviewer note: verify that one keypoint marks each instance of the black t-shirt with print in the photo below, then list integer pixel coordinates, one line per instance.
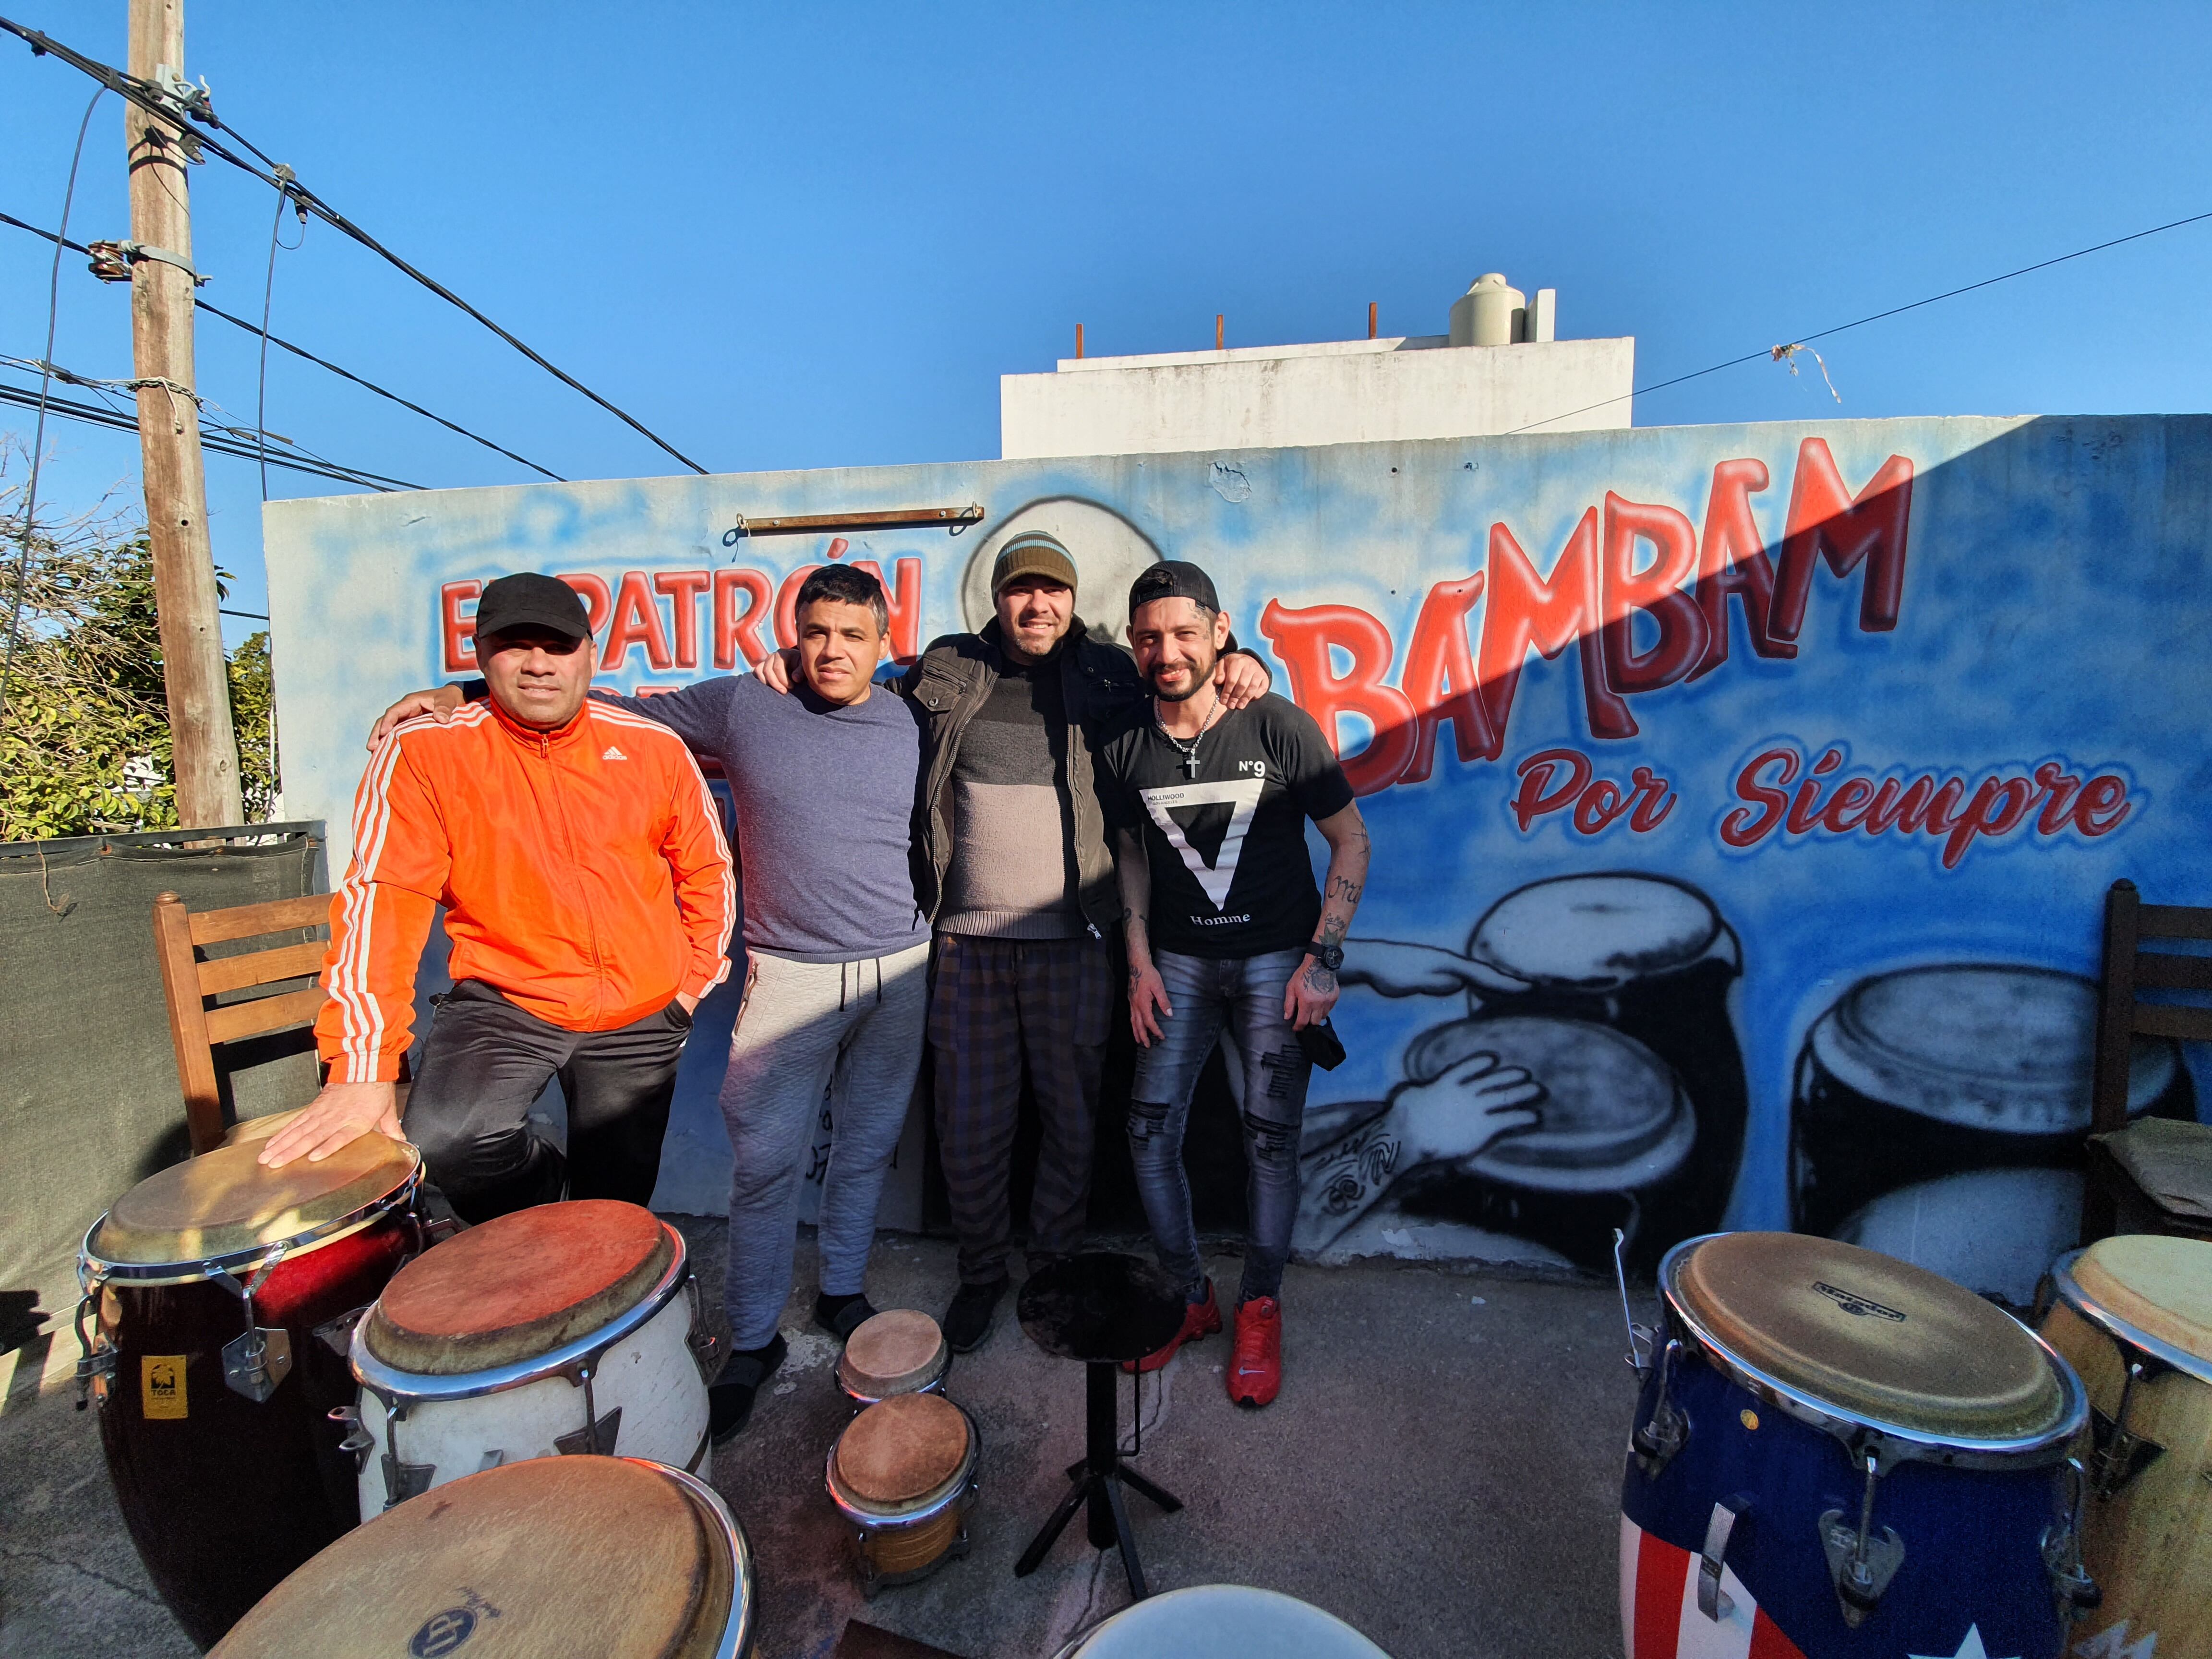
(1231, 875)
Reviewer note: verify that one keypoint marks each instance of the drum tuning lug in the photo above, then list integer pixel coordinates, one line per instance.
(593, 1437)
(1713, 1601)
(1657, 1441)
(253, 1365)
(337, 1334)
(1642, 1339)
(358, 1439)
(95, 1364)
(2077, 1593)
(405, 1480)
(2121, 1454)
(1859, 1563)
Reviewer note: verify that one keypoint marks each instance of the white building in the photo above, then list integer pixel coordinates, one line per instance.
(1497, 370)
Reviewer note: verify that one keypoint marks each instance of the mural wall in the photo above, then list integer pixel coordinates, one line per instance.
(1754, 788)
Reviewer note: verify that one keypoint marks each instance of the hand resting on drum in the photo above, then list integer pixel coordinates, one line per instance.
(1449, 1120)
(338, 1116)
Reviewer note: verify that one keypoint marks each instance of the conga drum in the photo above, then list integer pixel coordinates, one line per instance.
(1838, 1454)
(903, 1473)
(564, 1328)
(2134, 1316)
(898, 1351)
(1222, 1621)
(1939, 1115)
(220, 1294)
(566, 1558)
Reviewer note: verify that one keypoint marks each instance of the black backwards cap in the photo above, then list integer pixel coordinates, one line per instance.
(1172, 579)
(527, 599)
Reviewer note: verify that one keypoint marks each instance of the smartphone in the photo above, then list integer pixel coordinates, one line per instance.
(1322, 1046)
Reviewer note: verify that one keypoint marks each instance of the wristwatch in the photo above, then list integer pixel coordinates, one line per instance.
(1330, 957)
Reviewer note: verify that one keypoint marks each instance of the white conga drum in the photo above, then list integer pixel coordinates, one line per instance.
(899, 1351)
(571, 1558)
(903, 1473)
(565, 1328)
(1222, 1621)
(2133, 1315)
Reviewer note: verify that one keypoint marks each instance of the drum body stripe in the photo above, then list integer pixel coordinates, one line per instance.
(1659, 1614)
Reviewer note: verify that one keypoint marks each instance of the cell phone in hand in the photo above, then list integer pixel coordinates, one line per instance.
(1322, 1045)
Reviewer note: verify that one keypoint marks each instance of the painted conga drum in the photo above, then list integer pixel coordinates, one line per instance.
(904, 1474)
(560, 1329)
(898, 1351)
(2134, 1316)
(1653, 959)
(1837, 1454)
(566, 1558)
(220, 1295)
(1222, 1621)
(1938, 1116)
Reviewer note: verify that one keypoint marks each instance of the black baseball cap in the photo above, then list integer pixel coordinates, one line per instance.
(527, 599)
(1172, 579)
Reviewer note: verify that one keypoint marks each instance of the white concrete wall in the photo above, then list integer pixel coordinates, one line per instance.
(1342, 391)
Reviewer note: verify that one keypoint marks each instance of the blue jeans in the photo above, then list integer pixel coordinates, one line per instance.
(1246, 992)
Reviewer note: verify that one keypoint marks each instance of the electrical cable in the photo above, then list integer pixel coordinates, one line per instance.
(150, 99)
(268, 296)
(279, 342)
(39, 437)
(1776, 353)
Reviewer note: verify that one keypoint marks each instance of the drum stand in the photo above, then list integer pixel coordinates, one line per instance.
(1099, 1479)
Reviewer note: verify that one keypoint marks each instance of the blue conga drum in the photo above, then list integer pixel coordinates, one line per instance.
(1837, 1455)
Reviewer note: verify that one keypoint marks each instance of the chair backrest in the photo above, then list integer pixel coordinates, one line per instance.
(2129, 969)
(196, 1029)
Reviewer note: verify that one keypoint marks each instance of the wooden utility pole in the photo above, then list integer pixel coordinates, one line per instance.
(198, 683)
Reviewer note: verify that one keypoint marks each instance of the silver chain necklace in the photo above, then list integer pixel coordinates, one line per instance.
(1188, 750)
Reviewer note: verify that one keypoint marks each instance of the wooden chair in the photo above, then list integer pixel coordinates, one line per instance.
(2113, 1187)
(198, 1029)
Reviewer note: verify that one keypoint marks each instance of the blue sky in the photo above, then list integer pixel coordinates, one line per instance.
(795, 236)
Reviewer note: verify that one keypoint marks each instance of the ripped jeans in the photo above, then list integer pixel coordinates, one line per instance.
(1246, 992)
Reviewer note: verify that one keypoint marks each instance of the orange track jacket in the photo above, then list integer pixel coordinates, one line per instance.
(583, 872)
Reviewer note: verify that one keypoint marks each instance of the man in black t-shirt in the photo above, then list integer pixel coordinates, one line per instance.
(1209, 807)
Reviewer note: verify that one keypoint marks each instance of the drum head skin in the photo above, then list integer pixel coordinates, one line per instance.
(1597, 932)
(893, 1351)
(517, 1286)
(1871, 1337)
(225, 1201)
(902, 1450)
(540, 1559)
(1992, 1047)
(1612, 1117)
(1224, 1621)
(2162, 1287)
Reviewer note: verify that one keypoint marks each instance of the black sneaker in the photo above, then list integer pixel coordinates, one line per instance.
(968, 1320)
(840, 1315)
(730, 1397)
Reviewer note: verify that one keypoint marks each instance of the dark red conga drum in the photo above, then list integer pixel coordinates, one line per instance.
(224, 1296)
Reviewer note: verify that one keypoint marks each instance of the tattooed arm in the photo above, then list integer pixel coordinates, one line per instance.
(1313, 988)
(1148, 997)
(1449, 1120)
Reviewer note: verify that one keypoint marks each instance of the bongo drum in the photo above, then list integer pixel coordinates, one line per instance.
(565, 1328)
(220, 1294)
(568, 1558)
(903, 1472)
(1939, 1115)
(899, 1351)
(1222, 1621)
(2134, 1316)
(1838, 1454)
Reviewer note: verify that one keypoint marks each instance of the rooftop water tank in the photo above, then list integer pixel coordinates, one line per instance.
(1489, 313)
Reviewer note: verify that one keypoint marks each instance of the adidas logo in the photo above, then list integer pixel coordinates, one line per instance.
(614, 753)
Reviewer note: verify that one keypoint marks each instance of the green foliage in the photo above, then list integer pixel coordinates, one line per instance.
(84, 739)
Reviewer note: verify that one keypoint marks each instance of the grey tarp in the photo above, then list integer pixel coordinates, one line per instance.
(89, 1101)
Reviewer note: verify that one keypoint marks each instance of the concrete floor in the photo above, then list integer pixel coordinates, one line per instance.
(1443, 1471)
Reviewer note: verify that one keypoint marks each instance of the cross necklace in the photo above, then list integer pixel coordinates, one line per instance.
(1189, 751)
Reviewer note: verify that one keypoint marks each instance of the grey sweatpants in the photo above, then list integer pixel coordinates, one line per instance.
(852, 1030)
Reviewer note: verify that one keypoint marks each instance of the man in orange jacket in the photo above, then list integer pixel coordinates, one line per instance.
(589, 898)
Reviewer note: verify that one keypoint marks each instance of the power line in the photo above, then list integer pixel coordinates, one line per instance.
(151, 99)
(1774, 354)
(279, 341)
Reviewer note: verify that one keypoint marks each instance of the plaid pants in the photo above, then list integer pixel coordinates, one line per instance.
(998, 1006)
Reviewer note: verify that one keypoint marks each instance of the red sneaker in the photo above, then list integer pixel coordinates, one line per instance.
(1256, 1376)
(1198, 1319)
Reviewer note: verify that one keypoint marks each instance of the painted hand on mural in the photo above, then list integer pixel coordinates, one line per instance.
(1398, 969)
(438, 701)
(1449, 1120)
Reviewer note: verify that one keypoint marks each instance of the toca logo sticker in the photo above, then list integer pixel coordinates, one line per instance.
(1851, 1302)
(162, 1386)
